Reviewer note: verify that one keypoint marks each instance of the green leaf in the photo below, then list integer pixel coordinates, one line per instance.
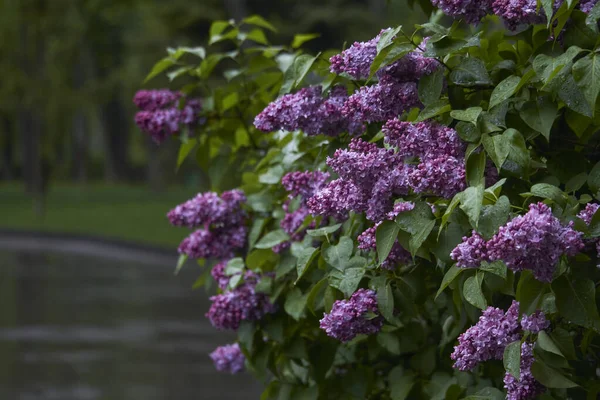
(504, 90)
(255, 231)
(257, 20)
(574, 98)
(234, 266)
(325, 231)
(300, 39)
(418, 223)
(593, 179)
(469, 115)
(495, 267)
(476, 169)
(348, 281)
(385, 236)
(497, 148)
(434, 109)
(385, 301)
(305, 258)
(338, 256)
(296, 72)
(547, 191)
(493, 217)
(529, 293)
(592, 18)
(160, 67)
(295, 303)
(512, 359)
(390, 342)
(550, 377)
(449, 277)
(184, 150)
(540, 115)
(488, 393)
(229, 101)
(388, 55)
(180, 263)
(472, 291)
(471, 202)
(401, 383)
(576, 301)
(430, 87)
(217, 27)
(586, 72)
(258, 36)
(546, 343)
(469, 72)
(272, 239)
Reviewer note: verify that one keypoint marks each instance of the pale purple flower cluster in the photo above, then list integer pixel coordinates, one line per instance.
(222, 220)
(309, 111)
(385, 100)
(349, 318)
(487, 339)
(471, 252)
(534, 241)
(160, 115)
(243, 303)
(369, 177)
(535, 322)
(471, 10)
(357, 59)
(588, 212)
(228, 358)
(587, 5)
(518, 12)
(303, 185)
(526, 387)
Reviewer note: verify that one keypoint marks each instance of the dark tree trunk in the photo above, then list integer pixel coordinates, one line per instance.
(236, 9)
(8, 144)
(116, 139)
(80, 123)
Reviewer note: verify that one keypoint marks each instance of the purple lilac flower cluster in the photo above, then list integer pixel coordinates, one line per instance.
(302, 185)
(222, 220)
(228, 358)
(242, 303)
(349, 318)
(513, 12)
(398, 255)
(586, 215)
(534, 241)
(487, 339)
(159, 114)
(526, 387)
(309, 111)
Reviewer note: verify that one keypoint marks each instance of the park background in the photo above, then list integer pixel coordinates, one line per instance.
(72, 160)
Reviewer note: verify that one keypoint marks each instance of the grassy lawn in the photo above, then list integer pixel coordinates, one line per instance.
(115, 211)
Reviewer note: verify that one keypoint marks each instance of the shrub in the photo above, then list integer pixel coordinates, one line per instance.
(414, 217)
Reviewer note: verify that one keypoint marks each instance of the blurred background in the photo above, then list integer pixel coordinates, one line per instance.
(83, 318)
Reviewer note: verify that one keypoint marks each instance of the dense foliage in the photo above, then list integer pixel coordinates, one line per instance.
(419, 221)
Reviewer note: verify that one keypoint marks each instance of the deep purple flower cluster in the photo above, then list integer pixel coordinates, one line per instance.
(160, 115)
(349, 318)
(243, 303)
(228, 358)
(218, 274)
(535, 322)
(534, 241)
(526, 387)
(471, 252)
(222, 220)
(426, 140)
(518, 12)
(309, 111)
(442, 176)
(471, 11)
(302, 185)
(382, 101)
(487, 339)
(357, 59)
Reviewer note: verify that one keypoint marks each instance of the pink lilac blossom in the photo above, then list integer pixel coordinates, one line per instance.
(535, 322)
(471, 252)
(210, 209)
(534, 241)
(382, 101)
(218, 243)
(400, 207)
(228, 358)
(487, 339)
(349, 318)
(160, 115)
(526, 387)
(308, 111)
(443, 176)
(518, 12)
(471, 11)
(243, 303)
(588, 212)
